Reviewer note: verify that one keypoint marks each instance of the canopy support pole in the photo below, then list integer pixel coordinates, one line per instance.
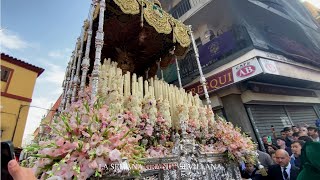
(99, 44)
(86, 60)
(203, 80)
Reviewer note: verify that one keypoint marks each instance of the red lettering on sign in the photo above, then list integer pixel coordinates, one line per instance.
(214, 82)
(271, 67)
(246, 71)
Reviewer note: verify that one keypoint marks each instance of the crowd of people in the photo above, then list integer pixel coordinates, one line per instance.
(287, 157)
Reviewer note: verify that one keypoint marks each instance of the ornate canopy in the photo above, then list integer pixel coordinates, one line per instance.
(138, 34)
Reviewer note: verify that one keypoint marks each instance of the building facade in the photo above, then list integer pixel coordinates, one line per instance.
(261, 60)
(18, 79)
(315, 12)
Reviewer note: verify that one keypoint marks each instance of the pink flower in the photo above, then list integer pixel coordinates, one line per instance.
(70, 146)
(149, 130)
(126, 116)
(144, 116)
(60, 141)
(233, 146)
(103, 112)
(101, 149)
(115, 140)
(86, 147)
(155, 152)
(95, 139)
(85, 134)
(160, 120)
(115, 155)
(47, 151)
(93, 164)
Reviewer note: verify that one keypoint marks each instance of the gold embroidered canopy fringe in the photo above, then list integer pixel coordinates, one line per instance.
(137, 34)
(162, 21)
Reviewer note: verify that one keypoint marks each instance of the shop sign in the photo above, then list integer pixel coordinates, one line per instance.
(246, 70)
(269, 66)
(229, 76)
(214, 82)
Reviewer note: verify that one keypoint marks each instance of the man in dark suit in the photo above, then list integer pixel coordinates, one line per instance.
(283, 170)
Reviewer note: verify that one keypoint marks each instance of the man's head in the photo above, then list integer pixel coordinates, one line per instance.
(282, 158)
(281, 141)
(265, 139)
(313, 132)
(295, 136)
(283, 134)
(295, 129)
(303, 131)
(288, 131)
(296, 147)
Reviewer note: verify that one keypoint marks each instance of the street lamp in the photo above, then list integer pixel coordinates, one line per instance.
(18, 116)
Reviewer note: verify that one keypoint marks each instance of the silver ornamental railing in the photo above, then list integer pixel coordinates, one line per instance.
(186, 163)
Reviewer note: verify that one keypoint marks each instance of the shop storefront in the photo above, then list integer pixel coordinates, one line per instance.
(264, 117)
(264, 91)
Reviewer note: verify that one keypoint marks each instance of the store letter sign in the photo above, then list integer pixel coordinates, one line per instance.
(214, 82)
(246, 70)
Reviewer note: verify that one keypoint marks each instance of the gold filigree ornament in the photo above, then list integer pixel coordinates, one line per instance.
(181, 34)
(157, 18)
(128, 6)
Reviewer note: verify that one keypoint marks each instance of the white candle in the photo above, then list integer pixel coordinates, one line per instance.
(146, 86)
(140, 81)
(160, 90)
(174, 114)
(151, 82)
(121, 85)
(125, 85)
(129, 84)
(151, 89)
(156, 88)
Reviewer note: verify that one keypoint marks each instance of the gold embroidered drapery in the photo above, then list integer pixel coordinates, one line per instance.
(156, 17)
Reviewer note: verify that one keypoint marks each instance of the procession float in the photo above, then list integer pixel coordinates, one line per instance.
(118, 120)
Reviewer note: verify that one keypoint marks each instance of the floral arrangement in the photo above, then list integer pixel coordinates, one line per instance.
(88, 136)
(228, 139)
(84, 139)
(93, 133)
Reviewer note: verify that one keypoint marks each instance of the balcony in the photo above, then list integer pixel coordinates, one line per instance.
(185, 8)
(212, 54)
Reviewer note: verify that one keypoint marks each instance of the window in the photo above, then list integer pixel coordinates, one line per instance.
(5, 74)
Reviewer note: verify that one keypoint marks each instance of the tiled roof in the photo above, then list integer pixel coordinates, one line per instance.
(21, 63)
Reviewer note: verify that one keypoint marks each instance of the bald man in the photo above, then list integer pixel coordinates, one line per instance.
(283, 170)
